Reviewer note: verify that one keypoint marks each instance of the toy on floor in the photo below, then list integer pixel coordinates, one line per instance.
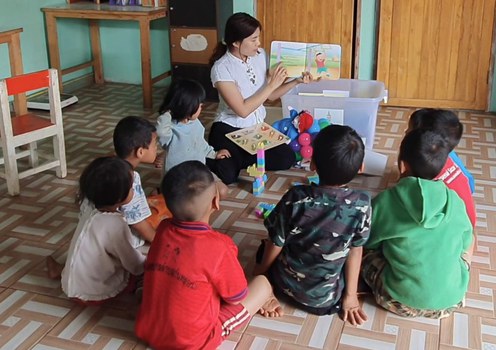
(258, 171)
(262, 210)
(159, 210)
(249, 138)
(302, 128)
(313, 179)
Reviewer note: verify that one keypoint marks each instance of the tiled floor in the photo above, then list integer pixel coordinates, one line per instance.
(34, 314)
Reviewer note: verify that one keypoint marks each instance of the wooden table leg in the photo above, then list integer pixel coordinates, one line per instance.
(146, 63)
(53, 45)
(15, 57)
(96, 51)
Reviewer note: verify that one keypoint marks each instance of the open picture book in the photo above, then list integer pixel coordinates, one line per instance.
(321, 60)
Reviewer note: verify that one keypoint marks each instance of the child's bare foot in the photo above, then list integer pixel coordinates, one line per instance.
(271, 308)
(54, 269)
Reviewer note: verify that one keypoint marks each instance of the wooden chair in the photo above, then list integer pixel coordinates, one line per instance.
(20, 133)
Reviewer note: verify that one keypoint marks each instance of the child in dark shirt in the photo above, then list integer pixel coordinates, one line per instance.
(316, 233)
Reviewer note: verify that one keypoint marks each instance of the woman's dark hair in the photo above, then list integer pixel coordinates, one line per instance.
(106, 181)
(183, 99)
(238, 27)
(338, 154)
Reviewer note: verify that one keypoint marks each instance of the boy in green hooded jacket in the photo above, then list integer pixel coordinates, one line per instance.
(419, 251)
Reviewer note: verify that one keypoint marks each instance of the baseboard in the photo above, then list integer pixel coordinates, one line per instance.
(78, 83)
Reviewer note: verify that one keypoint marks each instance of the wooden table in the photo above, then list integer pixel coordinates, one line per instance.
(94, 13)
(12, 38)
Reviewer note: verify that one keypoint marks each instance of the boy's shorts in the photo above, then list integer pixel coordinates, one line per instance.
(232, 317)
(373, 263)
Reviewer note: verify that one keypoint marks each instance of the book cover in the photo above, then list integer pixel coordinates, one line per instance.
(321, 60)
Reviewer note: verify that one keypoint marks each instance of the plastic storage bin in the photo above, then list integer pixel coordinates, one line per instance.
(359, 110)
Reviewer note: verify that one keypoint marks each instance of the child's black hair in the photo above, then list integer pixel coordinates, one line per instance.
(183, 99)
(338, 154)
(441, 121)
(181, 184)
(106, 181)
(425, 152)
(130, 134)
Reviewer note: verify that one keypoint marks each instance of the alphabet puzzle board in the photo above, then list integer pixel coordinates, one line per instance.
(249, 138)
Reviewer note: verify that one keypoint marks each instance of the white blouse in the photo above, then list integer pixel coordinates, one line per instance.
(249, 77)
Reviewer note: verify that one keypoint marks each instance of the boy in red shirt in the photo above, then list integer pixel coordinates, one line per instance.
(195, 291)
(454, 174)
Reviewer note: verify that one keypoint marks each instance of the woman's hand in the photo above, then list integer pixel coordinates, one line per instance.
(223, 153)
(277, 76)
(306, 77)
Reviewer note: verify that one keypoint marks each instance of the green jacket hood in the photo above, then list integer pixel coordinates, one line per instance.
(426, 201)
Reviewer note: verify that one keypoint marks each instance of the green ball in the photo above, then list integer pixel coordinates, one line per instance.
(298, 156)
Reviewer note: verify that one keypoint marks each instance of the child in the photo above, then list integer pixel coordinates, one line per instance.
(135, 141)
(195, 292)
(454, 174)
(101, 257)
(180, 132)
(320, 62)
(316, 233)
(420, 245)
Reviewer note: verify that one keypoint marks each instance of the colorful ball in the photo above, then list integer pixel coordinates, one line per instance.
(315, 127)
(305, 121)
(324, 122)
(304, 139)
(295, 146)
(306, 152)
(298, 156)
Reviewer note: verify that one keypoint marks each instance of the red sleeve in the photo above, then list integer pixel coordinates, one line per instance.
(229, 277)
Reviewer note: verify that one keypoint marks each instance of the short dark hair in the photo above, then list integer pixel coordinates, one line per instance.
(441, 121)
(130, 134)
(338, 154)
(183, 99)
(425, 151)
(181, 184)
(106, 181)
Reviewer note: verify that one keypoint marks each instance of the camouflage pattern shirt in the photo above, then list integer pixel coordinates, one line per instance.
(316, 227)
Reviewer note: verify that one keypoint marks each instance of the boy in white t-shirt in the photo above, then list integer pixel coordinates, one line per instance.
(135, 140)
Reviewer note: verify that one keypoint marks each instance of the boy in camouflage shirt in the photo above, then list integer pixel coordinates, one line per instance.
(316, 233)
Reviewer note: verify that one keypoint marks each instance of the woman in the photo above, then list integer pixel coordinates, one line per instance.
(239, 72)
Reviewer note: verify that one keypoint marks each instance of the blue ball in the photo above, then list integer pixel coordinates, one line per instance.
(315, 127)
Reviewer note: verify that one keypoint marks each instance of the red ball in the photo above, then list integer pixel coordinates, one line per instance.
(304, 139)
(306, 152)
